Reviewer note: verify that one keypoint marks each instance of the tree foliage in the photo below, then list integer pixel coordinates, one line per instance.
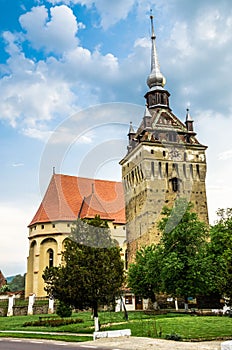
(144, 273)
(5, 288)
(17, 283)
(92, 270)
(184, 259)
(220, 251)
(179, 264)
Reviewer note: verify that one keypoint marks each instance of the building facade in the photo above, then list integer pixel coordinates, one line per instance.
(165, 161)
(66, 199)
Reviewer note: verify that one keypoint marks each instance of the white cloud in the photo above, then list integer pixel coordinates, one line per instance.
(214, 130)
(14, 246)
(180, 39)
(54, 32)
(213, 26)
(31, 94)
(110, 11)
(225, 155)
(36, 133)
(16, 165)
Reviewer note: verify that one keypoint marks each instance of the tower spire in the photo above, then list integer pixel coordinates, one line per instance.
(188, 121)
(155, 78)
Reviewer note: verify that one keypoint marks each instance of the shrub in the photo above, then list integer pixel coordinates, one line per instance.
(51, 322)
(63, 310)
(173, 336)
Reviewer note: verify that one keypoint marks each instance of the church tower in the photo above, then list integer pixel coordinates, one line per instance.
(165, 161)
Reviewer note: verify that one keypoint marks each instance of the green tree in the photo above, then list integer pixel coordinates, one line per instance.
(220, 251)
(17, 283)
(92, 272)
(5, 288)
(144, 273)
(185, 264)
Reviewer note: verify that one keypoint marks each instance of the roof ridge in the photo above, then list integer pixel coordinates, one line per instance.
(90, 198)
(87, 178)
(68, 196)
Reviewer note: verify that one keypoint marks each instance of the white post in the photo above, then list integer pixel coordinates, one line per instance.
(30, 304)
(51, 305)
(118, 306)
(176, 304)
(96, 324)
(11, 302)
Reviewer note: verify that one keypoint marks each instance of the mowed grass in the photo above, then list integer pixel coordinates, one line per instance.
(142, 325)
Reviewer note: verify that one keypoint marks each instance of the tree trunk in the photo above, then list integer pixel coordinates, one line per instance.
(154, 302)
(186, 304)
(176, 304)
(95, 316)
(124, 308)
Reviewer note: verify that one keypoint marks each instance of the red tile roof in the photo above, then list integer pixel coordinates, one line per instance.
(69, 197)
(2, 279)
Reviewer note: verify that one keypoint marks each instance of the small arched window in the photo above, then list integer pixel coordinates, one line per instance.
(175, 184)
(152, 169)
(50, 258)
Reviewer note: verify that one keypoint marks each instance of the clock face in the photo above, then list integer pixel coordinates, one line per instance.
(175, 154)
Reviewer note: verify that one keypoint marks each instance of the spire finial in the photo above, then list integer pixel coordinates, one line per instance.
(131, 129)
(156, 78)
(188, 116)
(188, 121)
(152, 25)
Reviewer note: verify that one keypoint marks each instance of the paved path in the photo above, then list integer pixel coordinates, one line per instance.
(138, 343)
(52, 333)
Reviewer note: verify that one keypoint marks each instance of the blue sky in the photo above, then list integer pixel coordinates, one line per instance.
(58, 59)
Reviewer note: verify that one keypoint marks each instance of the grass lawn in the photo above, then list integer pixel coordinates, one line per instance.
(142, 325)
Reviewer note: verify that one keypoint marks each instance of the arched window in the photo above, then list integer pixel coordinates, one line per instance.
(191, 170)
(50, 258)
(175, 184)
(160, 170)
(184, 170)
(152, 169)
(166, 167)
(198, 170)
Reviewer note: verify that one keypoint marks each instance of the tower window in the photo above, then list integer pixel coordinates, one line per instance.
(152, 151)
(160, 169)
(191, 170)
(42, 227)
(184, 170)
(175, 184)
(166, 169)
(50, 258)
(156, 136)
(198, 170)
(172, 136)
(132, 176)
(152, 169)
